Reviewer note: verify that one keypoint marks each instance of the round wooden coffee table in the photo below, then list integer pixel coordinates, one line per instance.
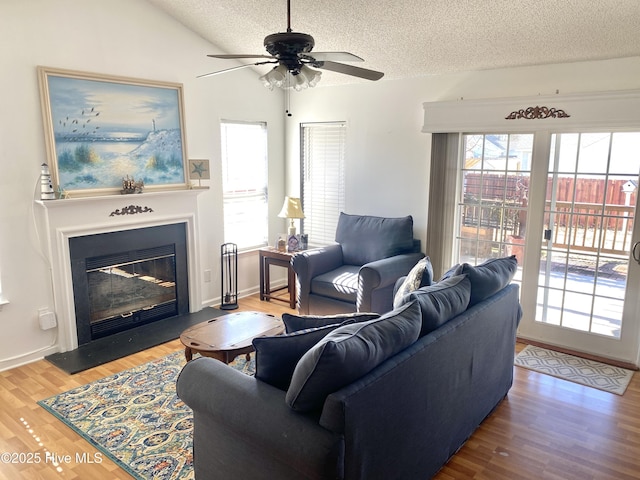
(226, 337)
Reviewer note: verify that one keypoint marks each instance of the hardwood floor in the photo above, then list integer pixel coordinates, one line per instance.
(545, 429)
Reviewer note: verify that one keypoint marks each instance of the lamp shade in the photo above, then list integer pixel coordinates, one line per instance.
(292, 208)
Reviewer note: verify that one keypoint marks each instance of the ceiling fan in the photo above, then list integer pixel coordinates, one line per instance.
(292, 53)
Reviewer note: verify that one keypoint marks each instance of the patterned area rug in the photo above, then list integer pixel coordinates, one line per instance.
(575, 369)
(136, 419)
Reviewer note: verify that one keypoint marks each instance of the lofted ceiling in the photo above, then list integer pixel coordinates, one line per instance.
(409, 38)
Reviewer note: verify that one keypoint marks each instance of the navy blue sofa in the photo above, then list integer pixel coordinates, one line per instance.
(403, 419)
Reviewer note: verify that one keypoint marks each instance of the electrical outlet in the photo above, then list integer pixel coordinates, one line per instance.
(207, 276)
(47, 319)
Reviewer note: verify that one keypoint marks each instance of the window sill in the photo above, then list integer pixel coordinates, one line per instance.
(3, 302)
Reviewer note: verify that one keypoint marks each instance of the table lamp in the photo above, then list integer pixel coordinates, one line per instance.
(292, 208)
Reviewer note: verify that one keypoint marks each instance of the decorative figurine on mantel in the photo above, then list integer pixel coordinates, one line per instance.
(62, 193)
(46, 187)
(129, 185)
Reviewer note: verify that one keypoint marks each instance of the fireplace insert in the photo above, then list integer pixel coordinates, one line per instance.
(128, 278)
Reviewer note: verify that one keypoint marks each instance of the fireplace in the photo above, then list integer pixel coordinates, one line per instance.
(128, 278)
(62, 222)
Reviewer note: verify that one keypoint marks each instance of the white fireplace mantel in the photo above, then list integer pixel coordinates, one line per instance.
(61, 220)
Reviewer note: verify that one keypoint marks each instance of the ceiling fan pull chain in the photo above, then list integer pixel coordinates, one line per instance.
(287, 95)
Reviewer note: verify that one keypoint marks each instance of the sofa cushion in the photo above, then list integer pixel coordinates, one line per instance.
(277, 356)
(365, 238)
(348, 353)
(340, 284)
(450, 273)
(421, 275)
(441, 301)
(489, 277)
(293, 323)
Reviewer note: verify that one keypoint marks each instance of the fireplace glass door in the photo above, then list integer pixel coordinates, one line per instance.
(121, 289)
(128, 278)
(131, 287)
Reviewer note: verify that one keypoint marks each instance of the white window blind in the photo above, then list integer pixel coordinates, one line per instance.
(244, 183)
(322, 167)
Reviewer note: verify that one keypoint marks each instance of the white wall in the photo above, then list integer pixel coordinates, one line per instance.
(387, 156)
(118, 37)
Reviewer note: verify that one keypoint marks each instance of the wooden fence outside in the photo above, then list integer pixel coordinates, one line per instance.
(499, 202)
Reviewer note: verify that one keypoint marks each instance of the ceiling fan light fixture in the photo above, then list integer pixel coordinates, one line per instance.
(281, 77)
(276, 77)
(310, 78)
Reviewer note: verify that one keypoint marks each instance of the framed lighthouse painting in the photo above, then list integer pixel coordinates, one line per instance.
(102, 131)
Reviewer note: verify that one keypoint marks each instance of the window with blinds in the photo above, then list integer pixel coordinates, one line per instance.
(244, 183)
(322, 168)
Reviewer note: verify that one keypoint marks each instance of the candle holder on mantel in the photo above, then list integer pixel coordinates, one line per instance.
(229, 280)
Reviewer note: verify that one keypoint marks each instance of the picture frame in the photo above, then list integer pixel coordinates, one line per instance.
(102, 129)
(293, 243)
(199, 170)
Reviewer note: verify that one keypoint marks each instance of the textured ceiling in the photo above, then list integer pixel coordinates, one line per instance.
(422, 37)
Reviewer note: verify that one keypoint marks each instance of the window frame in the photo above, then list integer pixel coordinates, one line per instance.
(254, 193)
(320, 222)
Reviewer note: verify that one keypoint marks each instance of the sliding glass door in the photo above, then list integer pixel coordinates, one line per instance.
(586, 282)
(495, 177)
(565, 205)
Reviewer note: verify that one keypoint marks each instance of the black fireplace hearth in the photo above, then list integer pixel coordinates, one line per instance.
(128, 278)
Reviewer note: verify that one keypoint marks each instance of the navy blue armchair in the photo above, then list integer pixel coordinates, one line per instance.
(360, 271)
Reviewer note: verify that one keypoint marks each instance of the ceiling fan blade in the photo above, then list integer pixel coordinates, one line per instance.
(233, 68)
(350, 70)
(334, 56)
(234, 56)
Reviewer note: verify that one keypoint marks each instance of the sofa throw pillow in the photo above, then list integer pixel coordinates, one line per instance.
(441, 301)
(450, 273)
(489, 277)
(366, 239)
(348, 353)
(293, 323)
(421, 275)
(277, 356)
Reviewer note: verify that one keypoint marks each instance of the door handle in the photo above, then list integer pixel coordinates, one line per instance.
(635, 253)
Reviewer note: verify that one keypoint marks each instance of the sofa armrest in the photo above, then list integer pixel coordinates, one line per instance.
(383, 273)
(251, 419)
(309, 264)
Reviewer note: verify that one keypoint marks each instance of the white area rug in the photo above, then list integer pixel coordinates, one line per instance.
(575, 369)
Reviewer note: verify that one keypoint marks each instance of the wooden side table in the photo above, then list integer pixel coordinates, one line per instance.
(271, 256)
